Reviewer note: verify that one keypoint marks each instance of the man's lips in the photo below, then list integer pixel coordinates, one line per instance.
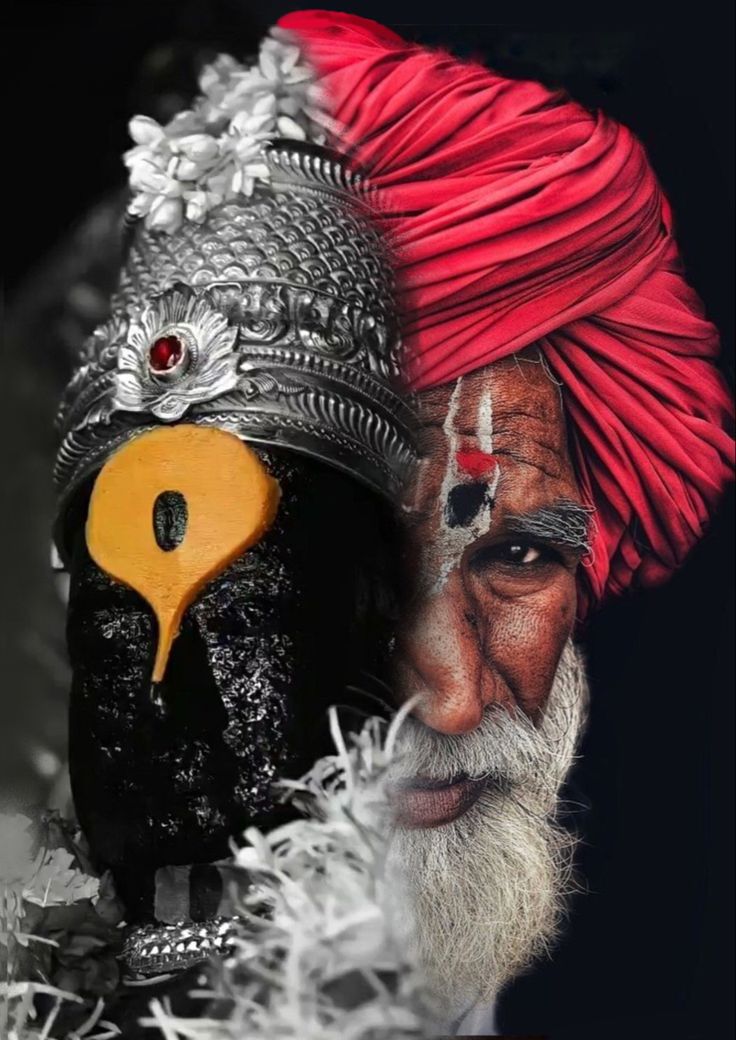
(425, 802)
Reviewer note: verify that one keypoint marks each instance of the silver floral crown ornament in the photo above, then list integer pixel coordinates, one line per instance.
(256, 295)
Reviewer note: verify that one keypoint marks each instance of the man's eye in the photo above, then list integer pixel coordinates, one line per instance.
(516, 554)
(520, 553)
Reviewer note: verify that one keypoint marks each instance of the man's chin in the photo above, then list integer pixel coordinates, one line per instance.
(486, 891)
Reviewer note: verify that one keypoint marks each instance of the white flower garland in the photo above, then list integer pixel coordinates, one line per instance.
(320, 956)
(214, 151)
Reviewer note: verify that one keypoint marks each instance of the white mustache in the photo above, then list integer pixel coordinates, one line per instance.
(506, 746)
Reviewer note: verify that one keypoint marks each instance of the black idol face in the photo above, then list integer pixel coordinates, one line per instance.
(283, 633)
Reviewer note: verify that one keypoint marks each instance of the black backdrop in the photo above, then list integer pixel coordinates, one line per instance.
(648, 951)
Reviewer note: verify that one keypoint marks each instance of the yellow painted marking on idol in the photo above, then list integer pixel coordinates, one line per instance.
(231, 501)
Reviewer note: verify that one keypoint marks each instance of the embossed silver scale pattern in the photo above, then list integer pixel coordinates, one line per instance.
(303, 241)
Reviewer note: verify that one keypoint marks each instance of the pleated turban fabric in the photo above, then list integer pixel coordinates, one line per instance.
(518, 217)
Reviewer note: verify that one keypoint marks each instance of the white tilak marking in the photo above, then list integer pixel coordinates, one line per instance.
(485, 422)
(453, 541)
(439, 559)
(485, 441)
(452, 471)
(484, 428)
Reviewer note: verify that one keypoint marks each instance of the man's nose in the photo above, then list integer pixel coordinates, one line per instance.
(441, 661)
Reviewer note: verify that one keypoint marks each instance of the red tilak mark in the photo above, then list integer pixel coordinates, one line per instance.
(476, 464)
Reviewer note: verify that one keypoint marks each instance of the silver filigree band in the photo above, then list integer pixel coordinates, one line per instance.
(156, 949)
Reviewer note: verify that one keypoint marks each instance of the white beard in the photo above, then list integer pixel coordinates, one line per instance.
(482, 896)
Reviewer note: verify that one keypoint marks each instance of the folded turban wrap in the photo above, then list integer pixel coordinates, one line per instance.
(519, 217)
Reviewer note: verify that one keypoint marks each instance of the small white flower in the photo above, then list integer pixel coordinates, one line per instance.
(256, 125)
(288, 127)
(257, 169)
(185, 123)
(245, 148)
(214, 78)
(199, 148)
(214, 150)
(199, 203)
(165, 214)
(186, 170)
(146, 131)
(147, 176)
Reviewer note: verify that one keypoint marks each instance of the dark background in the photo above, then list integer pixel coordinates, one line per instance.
(648, 952)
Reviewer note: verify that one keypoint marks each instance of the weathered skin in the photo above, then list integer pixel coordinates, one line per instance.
(264, 650)
(486, 626)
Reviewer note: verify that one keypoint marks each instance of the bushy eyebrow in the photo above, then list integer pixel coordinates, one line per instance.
(564, 523)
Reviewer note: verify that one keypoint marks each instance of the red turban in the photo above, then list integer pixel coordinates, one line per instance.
(519, 217)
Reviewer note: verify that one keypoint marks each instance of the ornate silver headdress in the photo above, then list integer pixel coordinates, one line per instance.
(271, 317)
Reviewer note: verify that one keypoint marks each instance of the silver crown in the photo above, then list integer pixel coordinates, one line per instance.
(273, 319)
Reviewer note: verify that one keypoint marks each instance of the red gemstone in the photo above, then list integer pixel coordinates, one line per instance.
(165, 353)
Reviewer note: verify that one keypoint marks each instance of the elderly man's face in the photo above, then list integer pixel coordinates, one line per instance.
(497, 530)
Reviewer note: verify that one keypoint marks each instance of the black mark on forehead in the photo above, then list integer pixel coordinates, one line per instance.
(464, 502)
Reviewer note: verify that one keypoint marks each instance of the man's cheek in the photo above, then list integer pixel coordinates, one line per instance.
(438, 636)
(522, 639)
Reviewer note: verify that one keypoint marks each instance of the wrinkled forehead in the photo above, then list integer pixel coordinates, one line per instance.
(512, 408)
